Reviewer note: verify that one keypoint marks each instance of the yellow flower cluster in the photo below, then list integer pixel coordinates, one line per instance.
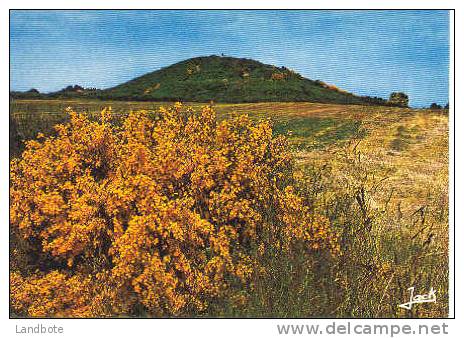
(161, 215)
(54, 294)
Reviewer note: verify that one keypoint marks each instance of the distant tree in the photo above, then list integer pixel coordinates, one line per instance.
(33, 91)
(435, 106)
(447, 106)
(399, 99)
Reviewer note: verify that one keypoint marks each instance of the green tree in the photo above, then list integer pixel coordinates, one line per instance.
(435, 106)
(399, 99)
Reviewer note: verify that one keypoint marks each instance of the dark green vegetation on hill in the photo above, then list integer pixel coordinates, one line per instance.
(226, 79)
(219, 79)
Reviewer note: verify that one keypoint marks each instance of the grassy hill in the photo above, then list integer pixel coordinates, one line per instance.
(227, 79)
(219, 79)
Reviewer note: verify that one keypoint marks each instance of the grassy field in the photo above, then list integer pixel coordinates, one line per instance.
(380, 174)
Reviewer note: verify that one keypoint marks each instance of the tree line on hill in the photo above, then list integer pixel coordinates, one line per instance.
(436, 106)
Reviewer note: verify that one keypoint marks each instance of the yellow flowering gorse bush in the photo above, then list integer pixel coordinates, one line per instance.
(160, 216)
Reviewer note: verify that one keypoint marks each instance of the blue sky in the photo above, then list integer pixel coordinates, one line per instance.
(365, 52)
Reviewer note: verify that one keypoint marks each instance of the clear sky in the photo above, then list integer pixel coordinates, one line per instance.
(365, 52)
